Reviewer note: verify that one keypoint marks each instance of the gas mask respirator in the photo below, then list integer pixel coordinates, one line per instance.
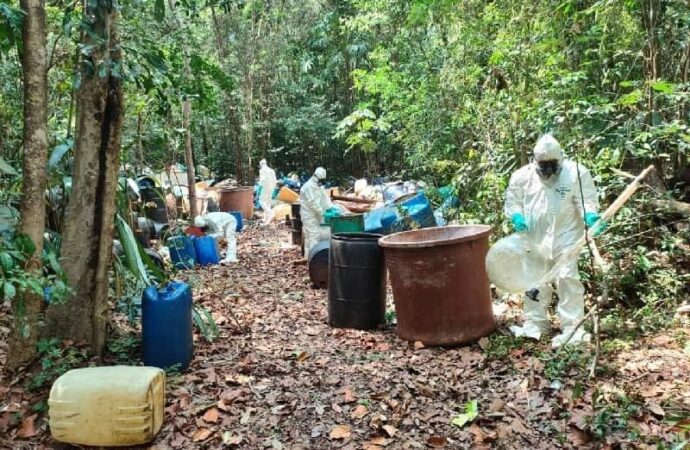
(548, 168)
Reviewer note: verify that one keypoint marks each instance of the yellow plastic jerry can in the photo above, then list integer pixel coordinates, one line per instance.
(107, 406)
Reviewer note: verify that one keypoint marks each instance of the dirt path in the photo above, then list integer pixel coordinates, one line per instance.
(279, 377)
(294, 382)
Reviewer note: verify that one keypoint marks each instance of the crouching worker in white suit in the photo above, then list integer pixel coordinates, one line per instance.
(544, 200)
(221, 224)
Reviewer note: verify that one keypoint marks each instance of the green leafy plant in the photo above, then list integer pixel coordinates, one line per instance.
(124, 347)
(390, 316)
(204, 323)
(500, 345)
(55, 359)
(612, 415)
(16, 279)
(569, 359)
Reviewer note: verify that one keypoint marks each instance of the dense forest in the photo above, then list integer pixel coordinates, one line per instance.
(443, 92)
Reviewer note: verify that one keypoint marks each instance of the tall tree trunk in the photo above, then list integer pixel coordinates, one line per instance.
(27, 306)
(189, 157)
(681, 160)
(72, 95)
(204, 141)
(88, 236)
(651, 19)
(140, 143)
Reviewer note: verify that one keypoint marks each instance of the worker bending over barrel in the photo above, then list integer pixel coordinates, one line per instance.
(315, 203)
(551, 202)
(221, 224)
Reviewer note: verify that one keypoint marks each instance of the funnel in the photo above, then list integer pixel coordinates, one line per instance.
(513, 266)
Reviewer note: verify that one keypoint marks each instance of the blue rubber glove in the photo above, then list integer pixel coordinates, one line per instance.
(591, 218)
(259, 191)
(519, 223)
(332, 212)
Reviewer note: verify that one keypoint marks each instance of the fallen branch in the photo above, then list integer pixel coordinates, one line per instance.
(346, 198)
(673, 205)
(669, 205)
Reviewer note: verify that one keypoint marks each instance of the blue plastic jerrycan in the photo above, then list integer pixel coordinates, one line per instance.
(182, 252)
(166, 322)
(206, 249)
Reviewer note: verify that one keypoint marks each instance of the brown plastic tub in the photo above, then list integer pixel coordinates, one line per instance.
(237, 199)
(440, 286)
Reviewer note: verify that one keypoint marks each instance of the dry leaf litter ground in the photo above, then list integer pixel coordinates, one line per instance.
(278, 377)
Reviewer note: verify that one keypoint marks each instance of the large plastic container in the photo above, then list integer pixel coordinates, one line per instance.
(356, 281)
(206, 249)
(440, 286)
(351, 223)
(237, 199)
(318, 264)
(107, 406)
(154, 202)
(287, 195)
(379, 220)
(514, 266)
(393, 191)
(414, 211)
(238, 217)
(166, 323)
(182, 252)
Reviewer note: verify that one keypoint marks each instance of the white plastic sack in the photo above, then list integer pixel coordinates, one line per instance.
(513, 266)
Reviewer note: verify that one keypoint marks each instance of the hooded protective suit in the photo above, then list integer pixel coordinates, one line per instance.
(221, 224)
(314, 203)
(267, 181)
(553, 211)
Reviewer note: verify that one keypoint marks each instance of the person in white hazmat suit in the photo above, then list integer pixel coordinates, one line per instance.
(267, 181)
(315, 203)
(543, 200)
(221, 224)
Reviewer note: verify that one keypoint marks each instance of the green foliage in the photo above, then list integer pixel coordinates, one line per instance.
(16, 279)
(568, 361)
(55, 359)
(124, 347)
(390, 316)
(11, 19)
(137, 261)
(612, 414)
(500, 346)
(204, 323)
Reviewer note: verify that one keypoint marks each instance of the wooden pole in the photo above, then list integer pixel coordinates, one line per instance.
(188, 157)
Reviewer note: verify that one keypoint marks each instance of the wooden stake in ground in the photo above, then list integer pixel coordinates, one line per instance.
(189, 156)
